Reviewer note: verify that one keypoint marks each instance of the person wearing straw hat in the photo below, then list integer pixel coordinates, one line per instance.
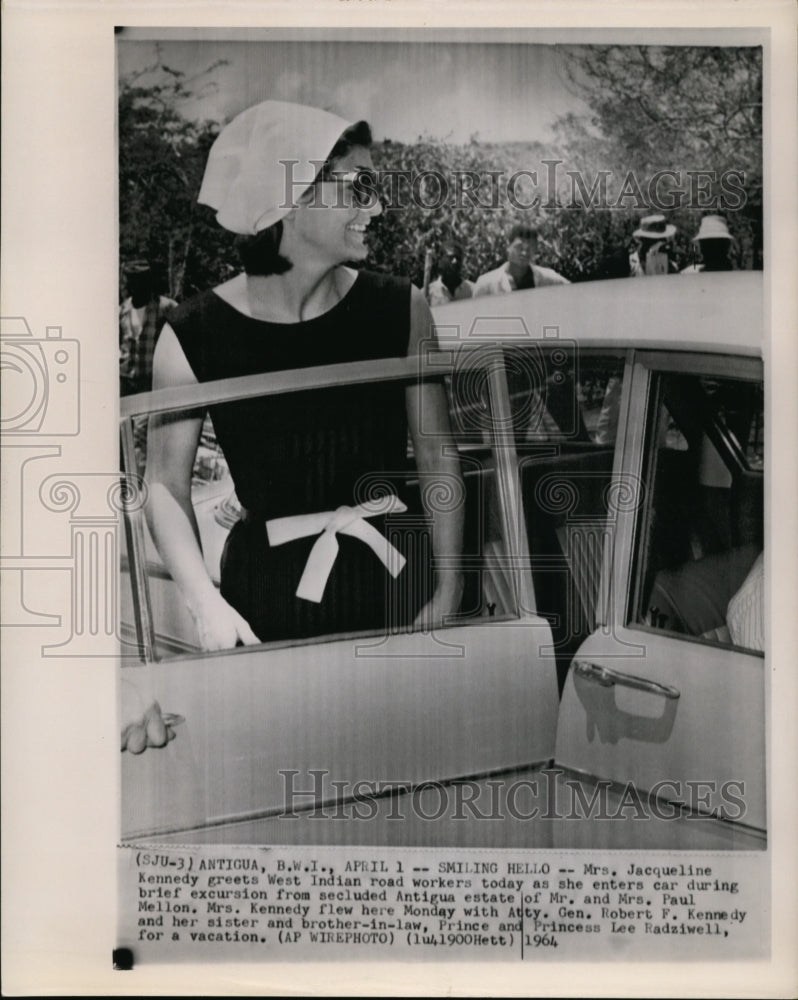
(714, 243)
(651, 255)
(310, 554)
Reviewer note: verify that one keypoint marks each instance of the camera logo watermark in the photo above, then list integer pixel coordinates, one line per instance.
(41, 381)
(40, 404)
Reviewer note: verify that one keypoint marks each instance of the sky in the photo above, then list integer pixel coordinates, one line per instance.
(446, 90)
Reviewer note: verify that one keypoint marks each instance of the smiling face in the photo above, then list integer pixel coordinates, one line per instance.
(330, 222)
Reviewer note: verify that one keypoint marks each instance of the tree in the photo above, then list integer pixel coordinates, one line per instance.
(649, 109)
(436, 202)
(679, 108)
(162, 156)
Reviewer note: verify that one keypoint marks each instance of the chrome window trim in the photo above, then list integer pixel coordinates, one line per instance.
(630, 450)
(430, 363)
(137, 564)
(607, 583)
(703, 363)
(509, 489)
(695, 639)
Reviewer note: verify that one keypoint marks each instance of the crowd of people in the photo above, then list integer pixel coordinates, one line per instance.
(651, 254)
(144, 311)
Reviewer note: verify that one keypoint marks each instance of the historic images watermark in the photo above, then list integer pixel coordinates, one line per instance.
(549, 794)
(548, 187)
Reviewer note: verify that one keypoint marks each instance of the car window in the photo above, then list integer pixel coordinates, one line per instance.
(700, 539)
(566, 410)
(560, 396)
(738, 407)
(308, 453)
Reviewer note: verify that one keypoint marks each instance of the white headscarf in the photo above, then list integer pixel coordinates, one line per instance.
(262, 161)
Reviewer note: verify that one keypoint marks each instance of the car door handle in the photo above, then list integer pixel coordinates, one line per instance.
(608, 677)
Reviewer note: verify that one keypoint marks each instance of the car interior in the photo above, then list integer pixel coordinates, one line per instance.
(705, 517)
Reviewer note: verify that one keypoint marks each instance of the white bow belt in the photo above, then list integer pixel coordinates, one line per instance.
(346, 521)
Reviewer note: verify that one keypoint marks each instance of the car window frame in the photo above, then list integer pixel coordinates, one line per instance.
(643, 402)
(431, 362)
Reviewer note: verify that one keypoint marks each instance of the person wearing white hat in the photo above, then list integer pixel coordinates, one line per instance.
(310, 554)
(714, 243)
(651, 255)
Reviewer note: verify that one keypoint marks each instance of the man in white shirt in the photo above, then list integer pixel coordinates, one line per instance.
(450, 286)
(518, 271)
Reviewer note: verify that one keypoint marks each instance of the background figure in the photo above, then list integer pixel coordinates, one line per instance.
(450, 285)
(615, 264)
(141, 318)
(714, 244)
(652, 255)
(518, 271)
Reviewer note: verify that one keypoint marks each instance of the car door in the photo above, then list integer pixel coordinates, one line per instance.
(288, 726)
(661, 731)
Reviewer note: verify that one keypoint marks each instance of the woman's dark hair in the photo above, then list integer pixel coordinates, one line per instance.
(260, 254)
(358, 134)
(522, 231)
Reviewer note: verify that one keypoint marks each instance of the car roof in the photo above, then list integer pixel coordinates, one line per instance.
(716, 312)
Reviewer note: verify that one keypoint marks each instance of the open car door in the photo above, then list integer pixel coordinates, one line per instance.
(286, 727)
(661, 732)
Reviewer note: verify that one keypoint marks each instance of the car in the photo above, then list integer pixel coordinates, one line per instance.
(593, 690)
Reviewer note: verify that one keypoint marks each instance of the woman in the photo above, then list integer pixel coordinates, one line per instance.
(289, 180)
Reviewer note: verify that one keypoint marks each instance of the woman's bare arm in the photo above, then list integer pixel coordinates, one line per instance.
(439, 473)
(171, 449)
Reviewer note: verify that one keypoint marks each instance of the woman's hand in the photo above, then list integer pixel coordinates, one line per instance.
(220, 626)
(444, 603)
(149, 730)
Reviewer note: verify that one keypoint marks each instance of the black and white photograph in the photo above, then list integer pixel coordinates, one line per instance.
(446, 442)
(430, 560)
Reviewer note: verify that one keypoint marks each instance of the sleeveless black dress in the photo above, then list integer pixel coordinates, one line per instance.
(312, 451)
